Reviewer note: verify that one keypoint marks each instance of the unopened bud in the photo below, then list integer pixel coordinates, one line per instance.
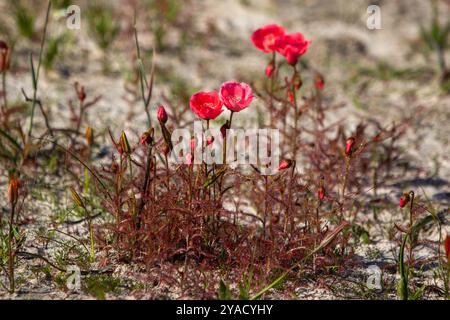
(123, 143)
(319, 82)
(349, 146)
(89, 136)
(76, 197)
(4, 56)
(404, 200)
(269, 69)
(147, 137)
(162, 114)
(285, 164)
(321, 193)
(13, 190)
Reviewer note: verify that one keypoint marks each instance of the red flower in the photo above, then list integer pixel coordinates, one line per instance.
(447, 247)
(349, 146)
(236, 96)
(285, 164)
(292, 46)
(265, 38)
(206, 105)
(209, 140)
(162, 114)
(404, 199)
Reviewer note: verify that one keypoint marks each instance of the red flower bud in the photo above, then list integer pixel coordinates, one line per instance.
(80, 92)
(147, 137)
(349, 146)
(319, 82)
(404, 199)
(269, 69)
(285, 164)
(13, 191)
(291, 96)
(209, 140)
(4, 56)
(447, 247)
(321, 193)
(162, 115)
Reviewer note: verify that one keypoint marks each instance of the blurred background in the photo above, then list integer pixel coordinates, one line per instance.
(400, 69)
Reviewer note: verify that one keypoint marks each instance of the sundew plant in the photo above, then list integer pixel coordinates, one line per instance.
(148, 151)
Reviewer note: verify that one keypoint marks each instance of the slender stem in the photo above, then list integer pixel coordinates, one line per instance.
(344, 185)
(36, 80)
(91, 235)
(10, 250)
(296, 135)
(5, 100)
(411, 224)
(272, 88)
(146, 183)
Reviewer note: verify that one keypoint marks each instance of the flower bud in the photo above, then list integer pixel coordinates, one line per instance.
(13, 191)
(290, 96)
(209, 140)
(269, 69)
(321, 193)
(349, 146)
(319, 82)
(147, 137)
(404, 200)
(89, 136)
(4, 56)
(285, 164)
(76, 197)
(123, 144)
(80, 92)
(162, 114)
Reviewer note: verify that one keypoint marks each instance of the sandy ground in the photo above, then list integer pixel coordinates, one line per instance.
(342, 46)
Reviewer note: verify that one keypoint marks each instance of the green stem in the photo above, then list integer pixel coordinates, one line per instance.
(10, 250)
(36, 78)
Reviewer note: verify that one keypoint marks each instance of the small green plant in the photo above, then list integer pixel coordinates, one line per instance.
(103, 26)
(436, 38)
(25, 22)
